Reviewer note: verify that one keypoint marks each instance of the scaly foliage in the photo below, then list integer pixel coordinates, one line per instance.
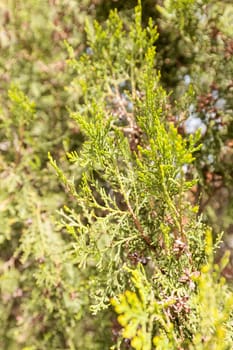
(132, 195)
(126, 262)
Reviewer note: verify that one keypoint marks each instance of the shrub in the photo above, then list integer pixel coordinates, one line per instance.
(134, 205)
(128, 262)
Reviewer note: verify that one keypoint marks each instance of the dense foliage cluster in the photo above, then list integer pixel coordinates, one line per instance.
(116, 139)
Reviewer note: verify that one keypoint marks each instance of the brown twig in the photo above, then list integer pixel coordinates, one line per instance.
(139, 227)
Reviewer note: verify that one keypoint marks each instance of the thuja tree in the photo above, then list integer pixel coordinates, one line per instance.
(137, 242)
(129, 264)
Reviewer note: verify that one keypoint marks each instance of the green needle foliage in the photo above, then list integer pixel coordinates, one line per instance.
(132, 196)
(112, 253)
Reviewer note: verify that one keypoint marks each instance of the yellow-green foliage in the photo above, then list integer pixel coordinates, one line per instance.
(213, 303)
(112, 252)
(139, 313)
(146, 322)
(132, 198)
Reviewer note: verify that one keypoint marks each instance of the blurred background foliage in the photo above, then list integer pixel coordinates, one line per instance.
(194, 55)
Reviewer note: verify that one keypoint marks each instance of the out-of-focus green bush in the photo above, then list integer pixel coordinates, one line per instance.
(33, 57)
(33, 119)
